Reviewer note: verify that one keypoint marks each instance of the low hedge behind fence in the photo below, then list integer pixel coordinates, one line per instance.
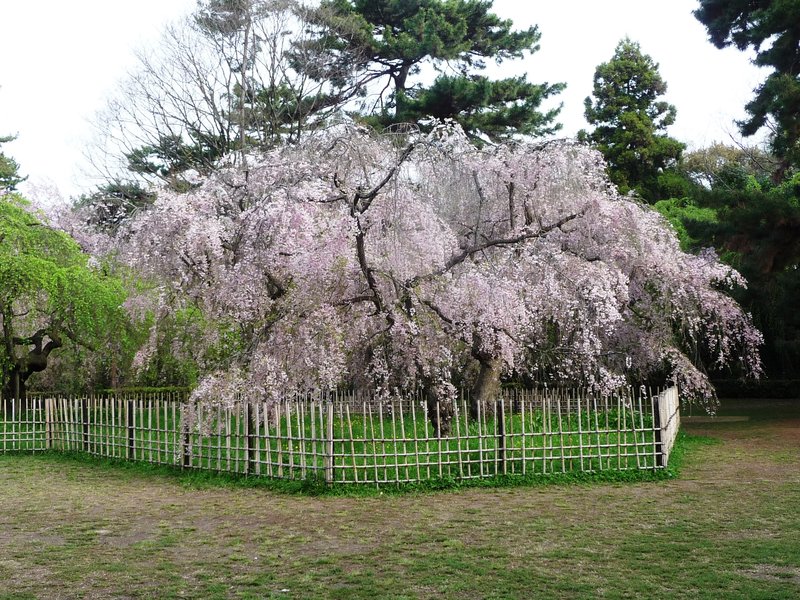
(344, 439)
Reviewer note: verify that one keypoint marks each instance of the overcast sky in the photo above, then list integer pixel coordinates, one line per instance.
(60, 59)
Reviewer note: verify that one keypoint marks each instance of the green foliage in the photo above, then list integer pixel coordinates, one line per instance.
(177, 359)
(762, 224)
(755, 227)
(171, 157)
(494, 109)
(629, 120)
(9, 169)
(50, 295)
(672, 184)
(386, 42)
(770, 28)
(725, 167)
(692, 223)
(275, 114)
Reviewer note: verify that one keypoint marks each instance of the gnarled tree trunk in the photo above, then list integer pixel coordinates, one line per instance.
(30, 362)
(441, 411)
(486, 390)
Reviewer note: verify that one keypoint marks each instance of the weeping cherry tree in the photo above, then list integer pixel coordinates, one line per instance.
(419, 262)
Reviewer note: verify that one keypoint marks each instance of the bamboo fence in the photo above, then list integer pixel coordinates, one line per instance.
(346, 439)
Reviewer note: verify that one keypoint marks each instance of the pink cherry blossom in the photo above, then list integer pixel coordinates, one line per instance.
(393, 263)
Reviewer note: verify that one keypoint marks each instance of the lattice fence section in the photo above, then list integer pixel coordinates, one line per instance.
(347, 439)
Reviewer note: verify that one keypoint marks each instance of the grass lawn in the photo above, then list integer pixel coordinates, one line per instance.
(729, 527)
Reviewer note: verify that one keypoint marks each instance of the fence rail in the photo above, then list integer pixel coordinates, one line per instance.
(344, 439)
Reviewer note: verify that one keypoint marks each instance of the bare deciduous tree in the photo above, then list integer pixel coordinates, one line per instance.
(232, 76)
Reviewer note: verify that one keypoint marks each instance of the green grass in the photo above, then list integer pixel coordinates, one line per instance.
(316, 486)
(726, 527)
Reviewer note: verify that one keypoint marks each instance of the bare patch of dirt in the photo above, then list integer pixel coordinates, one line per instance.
(774, 573)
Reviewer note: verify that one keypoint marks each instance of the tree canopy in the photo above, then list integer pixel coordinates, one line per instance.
(770, 28)
(9, 169)
(386, 43)
(735, 206)
(630, 121)
(50, 295)
(354, 260)
(232, 76)
(724, 166)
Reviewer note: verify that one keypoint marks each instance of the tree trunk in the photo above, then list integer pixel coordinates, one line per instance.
(114, 370)
(440, 413)
(32, 361)
(14, 388)
(487, 387)
(400, 98)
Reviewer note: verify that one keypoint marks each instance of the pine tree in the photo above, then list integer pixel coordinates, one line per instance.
(9, 169)
(630, 121)
(386, 43)
(771, 28)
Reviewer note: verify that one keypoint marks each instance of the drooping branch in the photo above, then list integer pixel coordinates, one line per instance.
(512, 219)
(481, 204)
(8, 330)
(361, 203)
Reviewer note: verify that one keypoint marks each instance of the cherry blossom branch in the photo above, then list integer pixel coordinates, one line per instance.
(369, 275)
(363, 199)
(459, 258)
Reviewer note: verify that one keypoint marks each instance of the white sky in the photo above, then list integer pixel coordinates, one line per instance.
(60, 59)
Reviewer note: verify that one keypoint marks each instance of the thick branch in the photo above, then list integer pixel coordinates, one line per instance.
(363, 199)
(36, 360)
(33, 340)
(369, 275)
(457, 259)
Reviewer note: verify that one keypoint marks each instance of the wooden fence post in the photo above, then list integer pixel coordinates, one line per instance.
(250, 433)
(131, 454)
(183, 427)
(85, 411)
(329, 446)
(500, 416)
(48, 423)
(658, 431)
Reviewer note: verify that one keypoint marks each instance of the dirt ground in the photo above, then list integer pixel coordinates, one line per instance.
(727, 527)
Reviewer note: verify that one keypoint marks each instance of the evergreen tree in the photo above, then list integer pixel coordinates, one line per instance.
(630, 121)
(378, 46)
(9, 169)
(755, 226)
(771, 28)
(113, 203)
